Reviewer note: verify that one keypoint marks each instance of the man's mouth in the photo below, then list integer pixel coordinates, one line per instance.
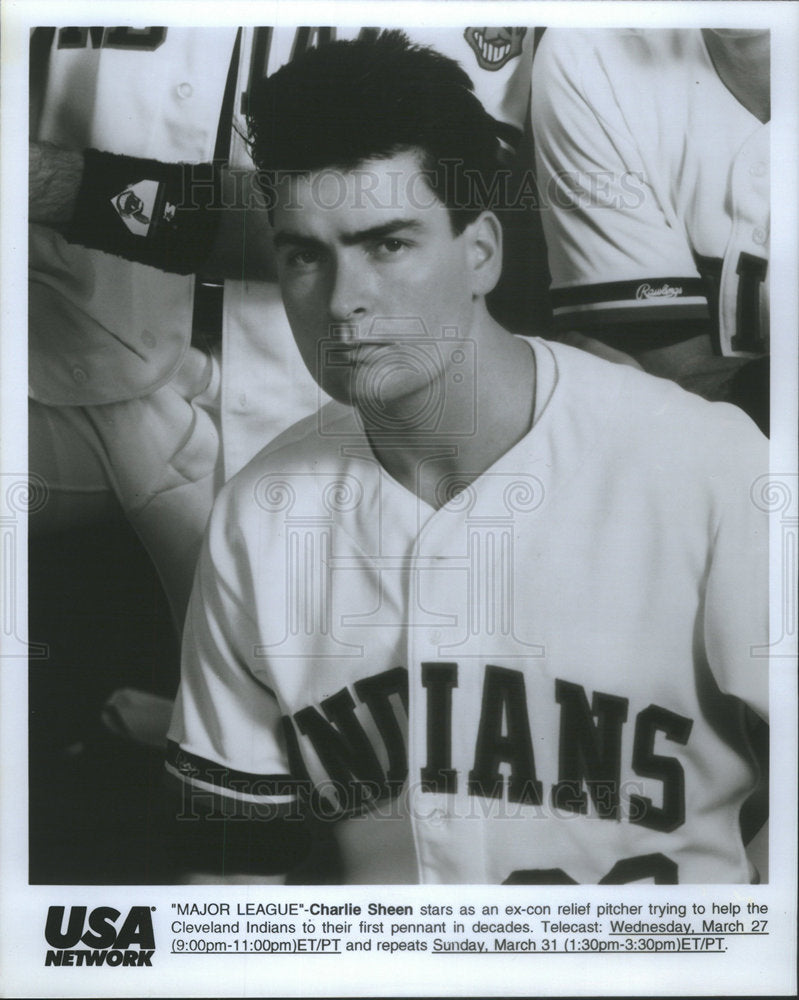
(357, 352)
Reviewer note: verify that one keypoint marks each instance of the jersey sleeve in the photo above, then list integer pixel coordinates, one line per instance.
(104, 329)
(618, 256)
(736, 617)
(101, 329)
(226, 733)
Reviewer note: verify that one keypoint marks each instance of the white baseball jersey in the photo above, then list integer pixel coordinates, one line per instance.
(105, 330)
(545, 680)
(655, 181)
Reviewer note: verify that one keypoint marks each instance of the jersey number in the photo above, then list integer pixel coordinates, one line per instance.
(655, 866)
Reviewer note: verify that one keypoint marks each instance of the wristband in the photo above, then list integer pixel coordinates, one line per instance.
(161, 214)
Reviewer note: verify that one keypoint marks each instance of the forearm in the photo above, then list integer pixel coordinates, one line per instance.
(241, 247)
(54, 177)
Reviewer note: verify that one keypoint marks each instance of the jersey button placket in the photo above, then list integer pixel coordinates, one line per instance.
(429, 821)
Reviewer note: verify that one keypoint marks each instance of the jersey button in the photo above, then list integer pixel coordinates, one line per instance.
(185, 90)
(79, 375)
(758, 169)
(759, 235)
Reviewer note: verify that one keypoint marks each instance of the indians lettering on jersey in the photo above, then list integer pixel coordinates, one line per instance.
(590, 775)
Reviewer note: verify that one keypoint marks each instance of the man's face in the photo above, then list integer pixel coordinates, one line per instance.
(371, 275)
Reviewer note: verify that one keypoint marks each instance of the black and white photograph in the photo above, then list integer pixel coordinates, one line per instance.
(400, 528)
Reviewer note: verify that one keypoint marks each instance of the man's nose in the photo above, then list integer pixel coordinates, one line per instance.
(349, 296)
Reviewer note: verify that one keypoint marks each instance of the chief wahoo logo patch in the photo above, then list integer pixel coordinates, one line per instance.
(495, 46)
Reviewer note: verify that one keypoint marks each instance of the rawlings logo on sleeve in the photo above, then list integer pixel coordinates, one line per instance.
(665, 291)
(494, 47)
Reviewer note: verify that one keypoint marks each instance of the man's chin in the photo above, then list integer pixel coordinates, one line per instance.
(338, 385)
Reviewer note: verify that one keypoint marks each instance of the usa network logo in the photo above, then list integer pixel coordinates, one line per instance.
(106, 939)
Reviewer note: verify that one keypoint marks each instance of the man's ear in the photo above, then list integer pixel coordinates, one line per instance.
(485, 252)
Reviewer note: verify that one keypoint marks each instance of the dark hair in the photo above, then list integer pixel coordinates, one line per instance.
(346, 102)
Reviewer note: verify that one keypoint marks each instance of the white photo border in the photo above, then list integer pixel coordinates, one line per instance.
(757, 967)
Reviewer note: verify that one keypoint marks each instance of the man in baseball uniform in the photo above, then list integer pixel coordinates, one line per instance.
(146, 382)
(653, 163)
(493, 614)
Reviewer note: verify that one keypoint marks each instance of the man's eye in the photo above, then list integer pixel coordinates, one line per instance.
(390, 247)
(304, 258)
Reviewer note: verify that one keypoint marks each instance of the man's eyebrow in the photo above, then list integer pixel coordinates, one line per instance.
(287, 237)
(381, 231)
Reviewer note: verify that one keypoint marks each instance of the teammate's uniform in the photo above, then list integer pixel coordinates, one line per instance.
(546, 680)
(121, 397)
(656, 186)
